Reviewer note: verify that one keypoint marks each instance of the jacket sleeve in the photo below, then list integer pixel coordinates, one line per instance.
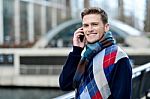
(120, 84)
(69, 69)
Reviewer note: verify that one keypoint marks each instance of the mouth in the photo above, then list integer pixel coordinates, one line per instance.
(91, 34)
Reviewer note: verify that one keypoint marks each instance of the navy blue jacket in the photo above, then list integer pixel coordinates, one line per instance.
(120, 83)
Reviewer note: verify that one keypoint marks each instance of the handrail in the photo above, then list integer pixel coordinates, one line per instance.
(138, 70)
(69, 95)
(141, 68)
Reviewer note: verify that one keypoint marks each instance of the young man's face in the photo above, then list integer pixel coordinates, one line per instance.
(93, 27)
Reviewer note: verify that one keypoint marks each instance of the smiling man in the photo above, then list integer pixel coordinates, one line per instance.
(104, 70)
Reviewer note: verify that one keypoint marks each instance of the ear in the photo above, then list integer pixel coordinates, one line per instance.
(106, 27)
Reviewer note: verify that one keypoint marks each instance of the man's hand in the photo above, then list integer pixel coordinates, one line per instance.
(76, 38)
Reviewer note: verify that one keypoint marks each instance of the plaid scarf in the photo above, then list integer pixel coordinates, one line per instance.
(91, 51)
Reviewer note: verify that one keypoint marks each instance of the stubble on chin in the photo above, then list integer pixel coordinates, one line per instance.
(92, 42)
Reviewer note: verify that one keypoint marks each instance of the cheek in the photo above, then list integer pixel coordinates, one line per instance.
(84, 30)
(98, 30)
(101, 33)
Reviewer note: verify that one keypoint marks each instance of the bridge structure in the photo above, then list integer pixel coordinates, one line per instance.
(122, 32)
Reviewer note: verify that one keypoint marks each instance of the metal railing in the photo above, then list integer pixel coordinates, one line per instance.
(40, 69)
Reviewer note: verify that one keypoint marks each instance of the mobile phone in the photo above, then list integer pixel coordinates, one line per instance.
(81, 37)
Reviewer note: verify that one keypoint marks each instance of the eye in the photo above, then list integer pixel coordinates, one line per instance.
(94, 24)
(85, 25)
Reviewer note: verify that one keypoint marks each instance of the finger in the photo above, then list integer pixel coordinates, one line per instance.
(78, 34)
(79, 30)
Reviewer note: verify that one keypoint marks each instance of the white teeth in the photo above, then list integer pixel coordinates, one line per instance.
(91, 33)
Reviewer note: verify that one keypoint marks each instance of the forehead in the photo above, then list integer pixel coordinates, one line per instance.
(91, 18)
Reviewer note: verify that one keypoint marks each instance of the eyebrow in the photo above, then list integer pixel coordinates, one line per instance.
(90, 23)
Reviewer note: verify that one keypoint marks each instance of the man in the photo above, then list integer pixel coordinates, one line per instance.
(104, 70)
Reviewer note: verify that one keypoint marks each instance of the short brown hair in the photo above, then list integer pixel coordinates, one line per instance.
(95, 10)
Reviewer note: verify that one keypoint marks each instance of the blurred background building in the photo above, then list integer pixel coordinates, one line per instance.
(23, 22)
